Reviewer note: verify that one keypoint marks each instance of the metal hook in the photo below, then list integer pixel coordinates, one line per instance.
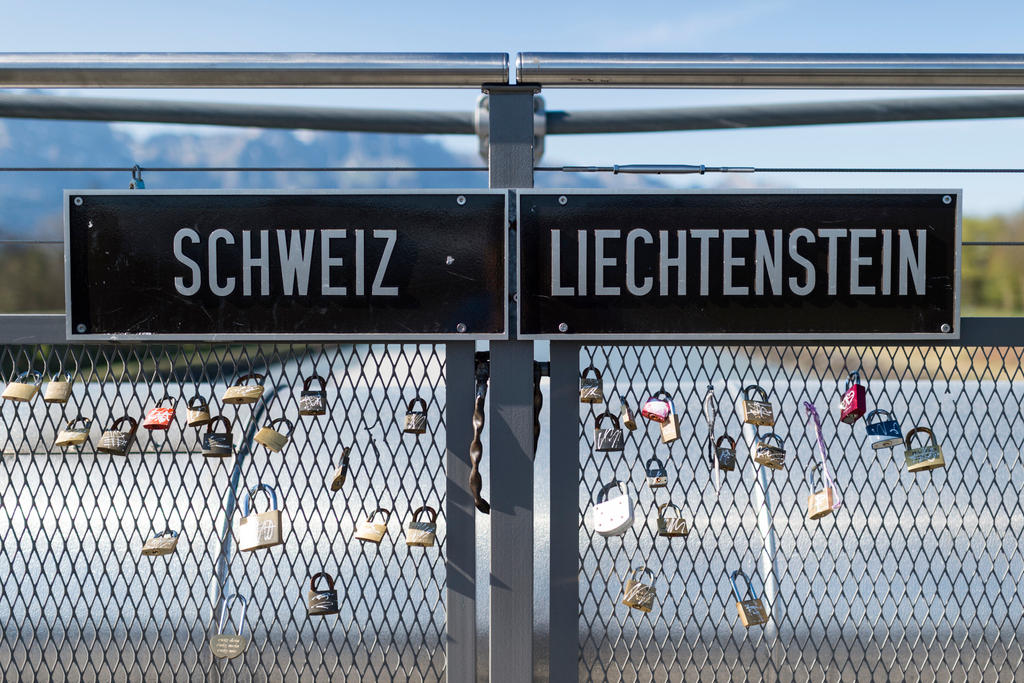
(137, 182)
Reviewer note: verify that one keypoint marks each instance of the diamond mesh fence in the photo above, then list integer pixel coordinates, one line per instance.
(916, 576)
(81, 603)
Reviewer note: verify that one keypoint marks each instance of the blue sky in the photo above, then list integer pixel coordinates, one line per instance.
(768, 26)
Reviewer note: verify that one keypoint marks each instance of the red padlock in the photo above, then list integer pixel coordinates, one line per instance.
(160, 417)
(854, 403)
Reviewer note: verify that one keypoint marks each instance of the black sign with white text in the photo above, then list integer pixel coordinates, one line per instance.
(205, 265)
(816, 265)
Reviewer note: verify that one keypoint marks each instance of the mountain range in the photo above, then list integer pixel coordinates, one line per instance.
(30, 202)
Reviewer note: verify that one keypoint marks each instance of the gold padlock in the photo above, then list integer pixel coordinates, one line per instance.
(416, 420)
(340, 474)
(229, 645)
(670, 428)
(240, 392)
(59, 388)
(422, 534)
(820, 503)
(24, 387)
(591, 388)
(273, 439)
(163, 543)
(671, 526)
(923, 458)
(637, 594)
(371, 531)
(751, 610)
(198, 413)
(628, 418)
(769, 455)
(260, 529)
(757, 412)
(74, 433)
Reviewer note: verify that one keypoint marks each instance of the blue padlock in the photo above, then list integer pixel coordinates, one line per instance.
(886, 432)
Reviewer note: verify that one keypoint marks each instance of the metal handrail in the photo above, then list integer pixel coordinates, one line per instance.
(252, 70)
(743, 70)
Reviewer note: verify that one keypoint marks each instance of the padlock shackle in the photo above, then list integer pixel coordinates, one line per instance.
(772, 435)
(385, 511)
(56, 377)
(669, 506)
(252, 375)
(413, 402)
(726, 437)
(878, 411)
(198, 402)
(750, 586)
(852, 378)
(86, 420)
(924, 430)
(656, 460)
(639, 572)
(597, 373)
(321, 575)
(279, 421)
(758, 389)
(602, 495)
(265, 488)
(119, 421)
(614, 418)
(666, 397)
(812, 476)
(318, 378)
(225, 610)
(215, 420)
(171, 533)
(429, 510)
(165, 398)
(29, 374)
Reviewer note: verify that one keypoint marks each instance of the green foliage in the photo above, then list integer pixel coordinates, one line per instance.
(31, 279)
(992, 277)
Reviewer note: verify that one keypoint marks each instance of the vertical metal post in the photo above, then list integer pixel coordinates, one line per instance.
(460, 515)
(763, 501)
(564, 590)
(510, 158)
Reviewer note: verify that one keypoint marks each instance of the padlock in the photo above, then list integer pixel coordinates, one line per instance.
(370, 531)
(726, 454)
(591, 388)
(338, 480)
(422, 534)
(240, 392)
(321, 603)
(613, 516)
(637, 594)
(160, 417)
(886, 433)
(751, 610)
(117, 441)
(273, 439)
(59, 388)
(657, 477)
(416, 420)
(658, 408)
(74, 433)
(671, 526)
(218, 444)
(923, 458)
(757, 412)
(313, 401)
(670, 426)
(608, 439)
(198, 413)
(260, 529)
(769, 455)
(24, 387)
(854, 403)
(163, 543)
(820, 502)
(229, 645)
(627, 417)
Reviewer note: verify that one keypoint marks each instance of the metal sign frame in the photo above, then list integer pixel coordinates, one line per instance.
(73, 336)
(953, 334)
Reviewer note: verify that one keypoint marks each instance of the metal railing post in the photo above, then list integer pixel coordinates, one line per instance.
(510, 159)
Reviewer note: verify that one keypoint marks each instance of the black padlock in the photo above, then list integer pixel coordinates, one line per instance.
(218, 444)
(313, 401)
(610, 439)
(321, 603)
(657, 477)
(726, 454)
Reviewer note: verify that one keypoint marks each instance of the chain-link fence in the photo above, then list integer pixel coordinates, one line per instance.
(916, 576)
(81, 603)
